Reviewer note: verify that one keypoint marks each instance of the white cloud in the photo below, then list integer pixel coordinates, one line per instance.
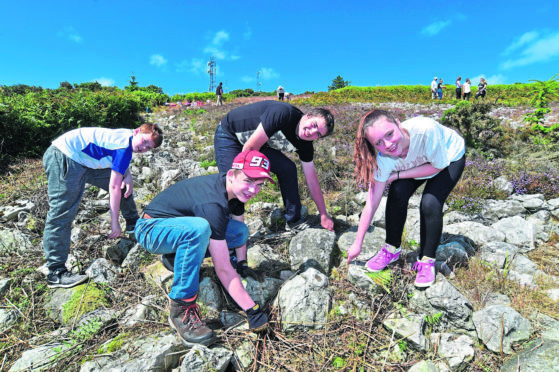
(536, 49)
(524, 39)
(217, 48)
(491, 80)
(220, 37)
(70, 33)
(267, 73)
(157, 60)
(435, 27)
(106, 82)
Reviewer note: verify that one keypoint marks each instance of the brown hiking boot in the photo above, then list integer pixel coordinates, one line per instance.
(184, 317)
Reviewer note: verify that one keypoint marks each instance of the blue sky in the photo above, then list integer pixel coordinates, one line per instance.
(301, 45)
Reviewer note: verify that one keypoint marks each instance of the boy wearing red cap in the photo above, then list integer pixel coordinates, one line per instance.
(199, 214)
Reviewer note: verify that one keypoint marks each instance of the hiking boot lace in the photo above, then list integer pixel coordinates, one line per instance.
(192, 316)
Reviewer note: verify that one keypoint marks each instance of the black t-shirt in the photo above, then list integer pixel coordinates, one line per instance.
(279, 121)
(204, 196)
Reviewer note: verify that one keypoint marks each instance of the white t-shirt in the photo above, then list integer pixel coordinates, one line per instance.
(430, 142)
(467, 87)
(98, 148)
(433, 85)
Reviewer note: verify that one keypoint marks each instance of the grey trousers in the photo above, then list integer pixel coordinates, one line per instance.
(66, 184)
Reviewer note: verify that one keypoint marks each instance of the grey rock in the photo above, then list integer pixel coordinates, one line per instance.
(38, 359)
(118, 252)
(536, 356)
(141, 312)
(501, 325)
(11, 212)
(7, 318)
(479, 233)
(304, 301)
(496, 299)
(357, 275)
(496, 209)
(456, 350)
(372, 243)
(243, 356)
(102, 271)
(424, 366)
(502, 184)
(210, 294)
(156, 352)
(500, 254)
(263, 257)
(517, 231)
(13, 240)
(5, 285)
(202, 359)
(134, 257)
(409, 328)
(312, 247)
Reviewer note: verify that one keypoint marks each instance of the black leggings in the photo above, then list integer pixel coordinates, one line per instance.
(434, 195)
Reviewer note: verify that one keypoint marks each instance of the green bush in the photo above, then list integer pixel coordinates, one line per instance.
(29, 122)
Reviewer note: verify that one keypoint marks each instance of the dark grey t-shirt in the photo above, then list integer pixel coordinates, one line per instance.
(279, 121)
(204, 196)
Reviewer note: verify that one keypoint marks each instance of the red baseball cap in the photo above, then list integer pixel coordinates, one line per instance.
(254, 164)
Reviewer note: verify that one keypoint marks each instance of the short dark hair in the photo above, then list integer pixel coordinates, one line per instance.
(326, 115)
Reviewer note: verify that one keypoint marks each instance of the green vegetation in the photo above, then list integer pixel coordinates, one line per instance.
(338, 83)
(85, 298)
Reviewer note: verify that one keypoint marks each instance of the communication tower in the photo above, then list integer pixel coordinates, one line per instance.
(211, 72)
(258, 82)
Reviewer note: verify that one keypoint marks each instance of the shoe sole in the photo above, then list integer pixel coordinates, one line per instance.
(206, 342)
(423, 285)
(58, 285)
(379, 270)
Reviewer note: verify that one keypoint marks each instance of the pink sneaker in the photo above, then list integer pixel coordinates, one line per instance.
(425, 273)
(383, 259)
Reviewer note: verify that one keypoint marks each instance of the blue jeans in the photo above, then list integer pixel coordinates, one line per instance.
(66, 184)
(188, 237)
(226, 147)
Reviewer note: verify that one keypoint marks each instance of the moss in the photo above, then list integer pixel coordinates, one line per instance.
(113, 345)
(93, 298)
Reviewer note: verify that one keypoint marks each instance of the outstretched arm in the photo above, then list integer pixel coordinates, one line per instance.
(227, 275)
(256, 140)
(115, 185)
(424, 170)
(373, 200)
(316, 193)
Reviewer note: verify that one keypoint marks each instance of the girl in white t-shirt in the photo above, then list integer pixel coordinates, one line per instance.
(406, 155)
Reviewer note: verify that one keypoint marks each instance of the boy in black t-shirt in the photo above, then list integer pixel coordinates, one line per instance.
(275, 128)
(200, 213)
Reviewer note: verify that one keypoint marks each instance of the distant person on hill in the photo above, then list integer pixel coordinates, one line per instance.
(440, 88)
(281, 93)
(405, 156)
(434, 86)
(98, 156)
(274, 128)
(467, 89)
(459, 88)
(481, 88)
(204, 217)
(219, 94)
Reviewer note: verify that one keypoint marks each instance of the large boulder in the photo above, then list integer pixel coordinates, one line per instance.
(499, 327)
(304, 301)
(312, 247)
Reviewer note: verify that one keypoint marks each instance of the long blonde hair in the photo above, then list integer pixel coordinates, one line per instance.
(364, 153)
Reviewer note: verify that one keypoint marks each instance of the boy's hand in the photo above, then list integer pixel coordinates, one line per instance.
(115, 230)
(257, 319)
(327, 222)
(128, 183)
(243, 270)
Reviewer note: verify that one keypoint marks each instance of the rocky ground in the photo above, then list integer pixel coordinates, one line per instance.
(324, 314)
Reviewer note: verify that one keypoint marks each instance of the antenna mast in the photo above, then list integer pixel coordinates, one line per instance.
(211, 72)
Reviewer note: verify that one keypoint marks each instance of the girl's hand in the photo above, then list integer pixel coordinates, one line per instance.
(353, 252)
